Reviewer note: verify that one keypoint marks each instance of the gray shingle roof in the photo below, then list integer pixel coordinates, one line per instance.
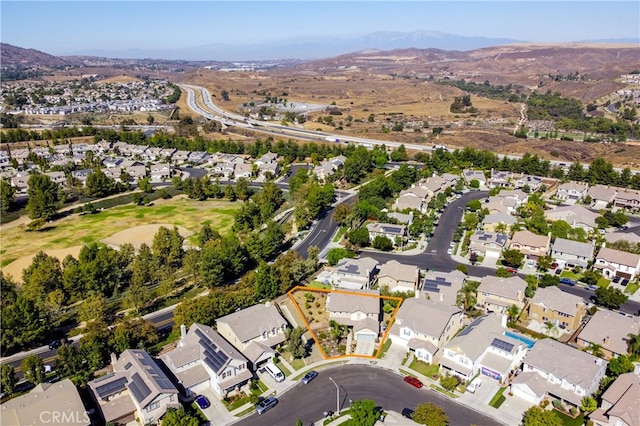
(251, 322)
(512, 287)
(557, 300)
(609, 330)
(576, 248)
(425, 316)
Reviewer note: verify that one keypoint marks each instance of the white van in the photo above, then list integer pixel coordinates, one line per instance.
(475, 384)
(274, 371)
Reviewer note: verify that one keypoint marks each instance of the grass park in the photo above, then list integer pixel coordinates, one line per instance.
(131, 223)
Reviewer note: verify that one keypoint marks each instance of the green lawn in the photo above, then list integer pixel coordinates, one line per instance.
(568, 273)
(568, 420)
(632, 287)
(428, 370)
(385, 348)
(340, 233)
(603, 282)
(284, 369)
(443, 391)
(498, 398)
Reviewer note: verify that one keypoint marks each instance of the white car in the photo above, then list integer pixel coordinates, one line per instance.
(474, 385)
(450, 251)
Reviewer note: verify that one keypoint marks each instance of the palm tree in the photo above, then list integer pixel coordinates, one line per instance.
(512, 313)
(595, 350)
(466, 298)
(633, 343)
(550, 328)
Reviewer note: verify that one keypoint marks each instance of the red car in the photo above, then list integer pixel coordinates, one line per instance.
(413, 381)
(513, 270)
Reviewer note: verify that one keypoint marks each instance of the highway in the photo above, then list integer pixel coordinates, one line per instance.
(358, 382)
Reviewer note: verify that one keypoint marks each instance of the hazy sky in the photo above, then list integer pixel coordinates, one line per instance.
(68, 27)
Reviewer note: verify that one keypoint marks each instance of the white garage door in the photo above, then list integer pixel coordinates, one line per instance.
(365, 337)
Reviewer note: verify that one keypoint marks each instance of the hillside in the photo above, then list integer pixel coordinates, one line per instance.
(17, 56)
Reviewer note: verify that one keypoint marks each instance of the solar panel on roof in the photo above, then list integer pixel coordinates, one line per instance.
(127, 366)
(501, 344)
(111, 388)
(138, 388)
(471, 326)
(164, 383)
(437, 283)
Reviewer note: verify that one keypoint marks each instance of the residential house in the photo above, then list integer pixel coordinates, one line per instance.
(443, 287)
(398, 277)
(59, 178)
(500, 178)
(601, 196)
(491, 244)
(203, 360)
(242, 170)
(404, 219)
(254, 331)
(359, 310)
(531, 245)
(498, 219)
(483, 348)
(500, 205)
(268, 163)
(425, 326)
(20, 181)
(160, 171)
(610, 332)
(631, 235)
(110, 163)
(198, 157)
(137, 172)
(81, 175)
(180, 157)
(555, 370)
(497, 294)
(572, 191)
(518, 195)
(46, 404)
(620, 404)
(414, 198)
(617, 263)
(576, 216)
(136, 389)
(167, 154)
(152, 154)
(627, 199)
(478, 175)
(552, 305)
(388, 230)
(533, 182)
(354, 274)
(569, 253)
(329, 167)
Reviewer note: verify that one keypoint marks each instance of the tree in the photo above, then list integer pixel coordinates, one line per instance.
(512, 313)
(138, 297)
(633, 343)
(207, 233)
(430, 414)
(70, 363)
(6, 196)
(337, 253)
(550, 328)
(466, 298)
(619, 365)
(589, 404)
(33, 369)
(536, 416)
(383, 243)
(145, 185)
(179, 417)
(294, 341)
(359, 237)
(21, 324)
(512, 257)
(342, 213)
(42, 276)
(595, 350)
(99, 185)
(544, 262)
(8, 379)
(502, 272)
(449, 382)
(167, 247)
(43, 197)
(474, 205)
(610, 297)
(93, 308)
(364, 413)
(475, 184)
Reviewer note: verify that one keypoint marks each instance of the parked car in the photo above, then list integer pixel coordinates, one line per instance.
(266, 404)
(450, 251)
(617, 279)
(474, 385)
(567, 281)
(413, 381)
(554, 265)
(512, 270)
(407, 412)
(202, 402)
(55, 344)
(309, 376)
(624, 282)
(558, 271)
(591, 287)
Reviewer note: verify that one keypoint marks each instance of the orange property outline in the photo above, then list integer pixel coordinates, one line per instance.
(322, 290)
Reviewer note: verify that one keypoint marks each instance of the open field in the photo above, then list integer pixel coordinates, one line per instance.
(76, 230)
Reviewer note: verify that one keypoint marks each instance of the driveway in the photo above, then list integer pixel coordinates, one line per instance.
(217, 413)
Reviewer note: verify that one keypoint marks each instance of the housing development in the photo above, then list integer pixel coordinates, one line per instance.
(183, 251)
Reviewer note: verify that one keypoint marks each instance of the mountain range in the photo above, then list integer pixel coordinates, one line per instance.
(315, 48)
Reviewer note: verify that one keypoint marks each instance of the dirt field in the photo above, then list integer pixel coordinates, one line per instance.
(76, 230)
(15, 268)
(141, 235)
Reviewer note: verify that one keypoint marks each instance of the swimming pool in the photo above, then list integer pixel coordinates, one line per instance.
(526, 340)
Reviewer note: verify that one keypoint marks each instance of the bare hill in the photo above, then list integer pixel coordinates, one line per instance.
(17, 56)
